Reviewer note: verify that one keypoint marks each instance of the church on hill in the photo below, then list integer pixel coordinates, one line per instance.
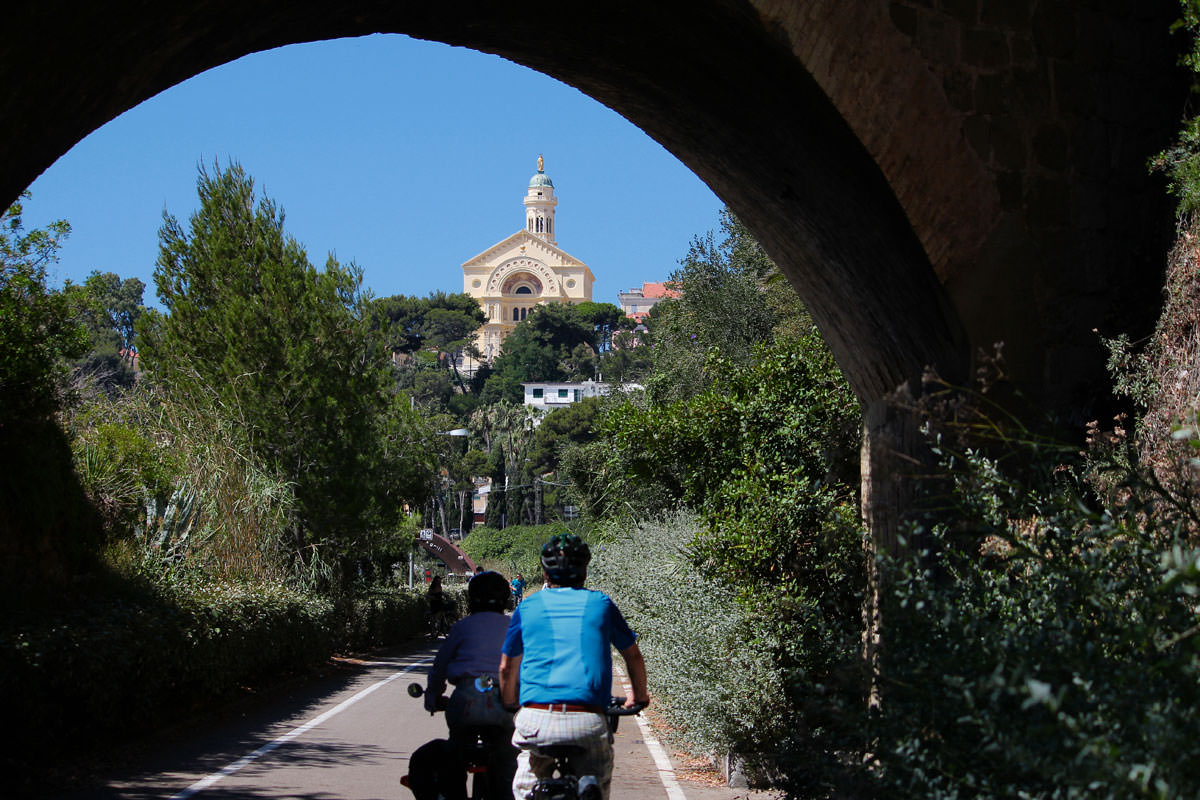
(524, 270)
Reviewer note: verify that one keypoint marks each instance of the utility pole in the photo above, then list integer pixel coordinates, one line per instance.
(504, 513)
(537, 500)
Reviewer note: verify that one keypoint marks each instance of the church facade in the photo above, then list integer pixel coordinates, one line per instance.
(525, 270)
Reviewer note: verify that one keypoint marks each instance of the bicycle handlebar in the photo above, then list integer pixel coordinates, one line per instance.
(617, 708)
(616, 705)
(417, 690)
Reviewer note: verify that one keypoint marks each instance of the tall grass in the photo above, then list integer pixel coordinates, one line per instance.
(179, 487)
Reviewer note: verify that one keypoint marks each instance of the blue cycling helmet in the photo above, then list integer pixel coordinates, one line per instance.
(565, 558)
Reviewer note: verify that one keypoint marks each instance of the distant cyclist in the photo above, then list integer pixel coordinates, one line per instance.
(439, 607)
(556, 669)
(518, 589)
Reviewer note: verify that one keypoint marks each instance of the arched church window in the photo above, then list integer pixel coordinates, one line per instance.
(523, 310)
(523, 290)
(539, 225)
(516, 315)
(550, 225)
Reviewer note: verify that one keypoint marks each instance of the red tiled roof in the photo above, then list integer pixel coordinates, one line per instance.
(657, 290)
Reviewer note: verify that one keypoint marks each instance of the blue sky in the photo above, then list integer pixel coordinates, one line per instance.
(404, 156)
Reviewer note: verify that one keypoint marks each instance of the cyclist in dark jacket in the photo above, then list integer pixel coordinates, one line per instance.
(469, 659)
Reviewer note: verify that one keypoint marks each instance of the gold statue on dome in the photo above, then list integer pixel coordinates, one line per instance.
(541, 164)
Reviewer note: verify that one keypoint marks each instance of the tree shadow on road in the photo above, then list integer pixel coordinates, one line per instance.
(160, 764)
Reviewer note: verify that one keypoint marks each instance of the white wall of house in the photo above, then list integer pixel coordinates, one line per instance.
(547, 396)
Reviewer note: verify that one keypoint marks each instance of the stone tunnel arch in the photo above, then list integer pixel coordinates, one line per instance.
(932, 176)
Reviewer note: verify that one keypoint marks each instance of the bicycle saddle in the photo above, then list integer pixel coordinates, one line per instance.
(561, 750)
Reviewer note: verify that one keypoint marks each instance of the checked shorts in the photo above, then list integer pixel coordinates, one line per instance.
(536, 728)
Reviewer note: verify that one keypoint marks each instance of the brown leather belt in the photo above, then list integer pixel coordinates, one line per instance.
(566, 707)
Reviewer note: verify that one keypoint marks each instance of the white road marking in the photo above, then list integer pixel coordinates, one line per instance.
(666, 772)
(224, 772)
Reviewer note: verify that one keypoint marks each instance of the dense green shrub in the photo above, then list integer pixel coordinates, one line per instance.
(748, 422)
(773, 679)
(517, 548)
(147, 656)
(1041, 641)
(707, 663)
(101, 666)
(382, 618)
(767, 457)
(768, 454)
(48, 530)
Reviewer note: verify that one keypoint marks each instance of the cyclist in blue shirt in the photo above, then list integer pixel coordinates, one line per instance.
(518, 589)
(556, 668)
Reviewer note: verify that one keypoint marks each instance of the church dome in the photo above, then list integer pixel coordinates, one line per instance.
(540, 179)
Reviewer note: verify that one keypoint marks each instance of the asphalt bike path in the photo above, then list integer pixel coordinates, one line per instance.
(346, 736)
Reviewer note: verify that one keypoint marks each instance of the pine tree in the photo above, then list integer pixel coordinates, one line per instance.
(288, 348)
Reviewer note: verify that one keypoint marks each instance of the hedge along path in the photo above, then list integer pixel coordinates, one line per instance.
(250, 758)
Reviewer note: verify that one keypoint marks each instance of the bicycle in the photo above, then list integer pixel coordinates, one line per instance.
(475, 745)
(567, 785)
(439, 624)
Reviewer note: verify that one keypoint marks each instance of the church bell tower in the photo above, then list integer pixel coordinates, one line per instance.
(539, 204)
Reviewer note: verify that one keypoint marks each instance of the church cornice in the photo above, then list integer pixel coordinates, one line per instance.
(535, 247)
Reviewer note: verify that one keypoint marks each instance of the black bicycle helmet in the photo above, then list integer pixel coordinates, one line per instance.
(488, 591)
(565, 558)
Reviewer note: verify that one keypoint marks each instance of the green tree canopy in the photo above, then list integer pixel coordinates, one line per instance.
(562, 427)
(110, 308)
(252, 321)
(732, 298)
(606, 319)
(556, 342)
(48, 529)
(747, 420)
(39, 333)
(441, 321)
(429, 333)
(115, 306)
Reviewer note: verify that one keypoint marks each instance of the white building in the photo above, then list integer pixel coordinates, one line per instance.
(550, 395)
(637, 302)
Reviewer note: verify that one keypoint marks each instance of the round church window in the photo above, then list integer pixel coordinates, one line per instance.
(571, 284)
(475, 284)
